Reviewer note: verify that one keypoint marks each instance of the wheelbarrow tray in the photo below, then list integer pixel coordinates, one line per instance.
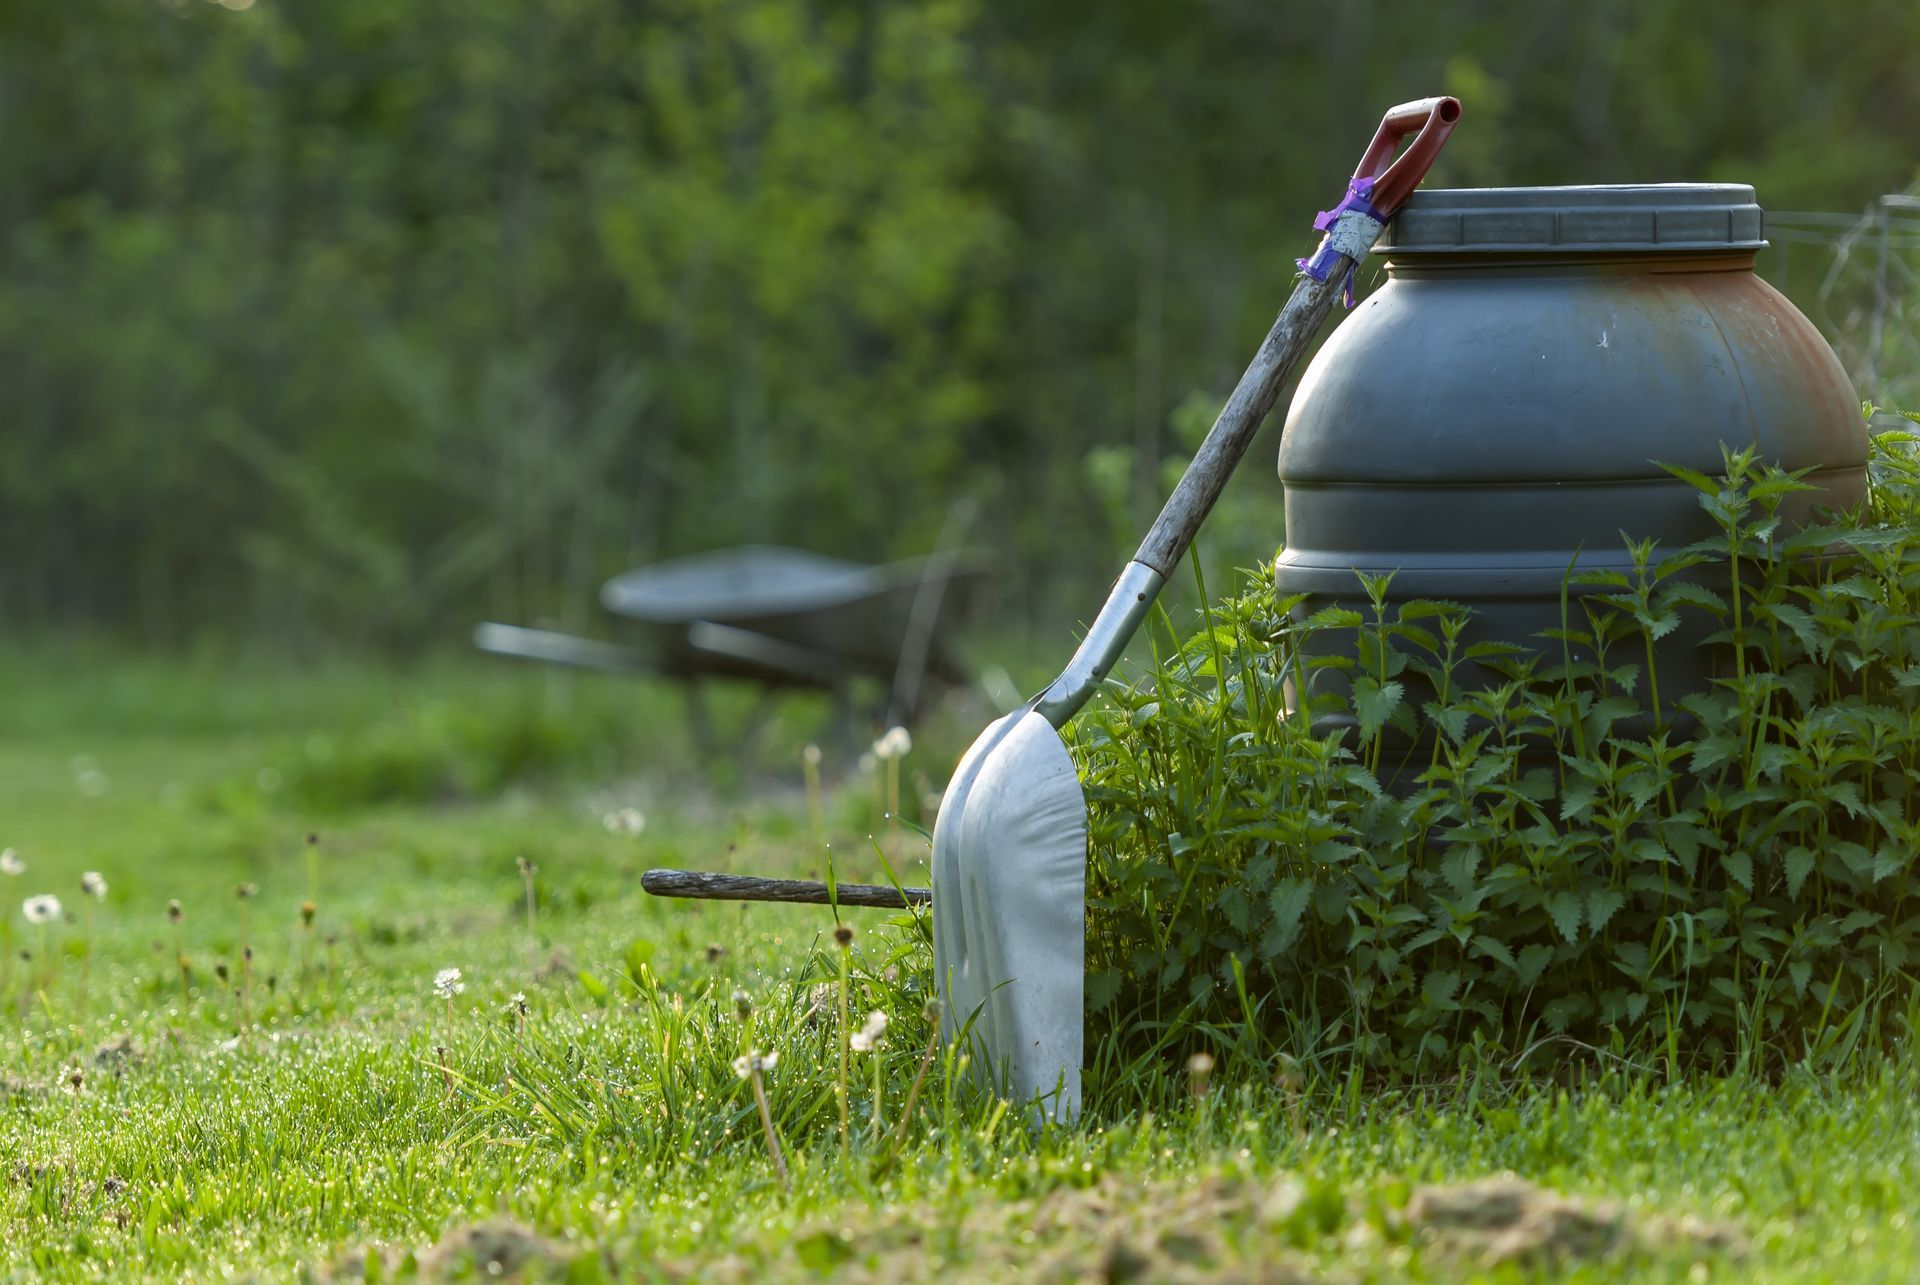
(852, 612)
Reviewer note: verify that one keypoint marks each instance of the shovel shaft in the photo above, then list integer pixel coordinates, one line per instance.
(1347, 242)
(705, 886)
(1139, 584)
(1239, 421)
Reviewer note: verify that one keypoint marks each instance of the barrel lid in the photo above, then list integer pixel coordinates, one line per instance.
(1591, 219)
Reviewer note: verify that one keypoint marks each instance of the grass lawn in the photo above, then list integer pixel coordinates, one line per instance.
(320, 1110)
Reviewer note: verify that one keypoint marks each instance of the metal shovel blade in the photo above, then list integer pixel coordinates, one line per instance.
(1009, 911)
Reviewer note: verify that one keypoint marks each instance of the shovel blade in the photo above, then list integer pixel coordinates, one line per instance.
(1009, 911)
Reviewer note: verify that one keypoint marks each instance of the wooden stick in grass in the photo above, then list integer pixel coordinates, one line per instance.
(706, 886)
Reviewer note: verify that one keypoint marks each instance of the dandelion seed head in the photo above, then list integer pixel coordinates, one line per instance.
(525, 867)
(93, 884)
(174, 912)
(447, 983)
(843, 935)
(810, 755)
(748, 1063)
(896, 744)
(872, 1035)
(625, 821)
(743, 1004)
(246, 891)
(10, 863)
(43, 909)
(74, 1081)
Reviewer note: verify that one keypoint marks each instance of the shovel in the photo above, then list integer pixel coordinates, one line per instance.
(1010, 843)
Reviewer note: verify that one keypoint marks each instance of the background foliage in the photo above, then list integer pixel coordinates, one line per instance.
(349, 321)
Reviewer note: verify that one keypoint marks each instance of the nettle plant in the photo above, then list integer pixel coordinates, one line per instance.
(1572, 859)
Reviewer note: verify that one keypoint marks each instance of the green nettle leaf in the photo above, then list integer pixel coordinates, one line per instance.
(1458, 866)
(1532, 962)
(1659, 624)
(1440, 987)
(1566, 911)
(1289, 903)
(1373, 703)
(1799, 864)
(1602, 905)
(1450, 719)
(1103, 988)
(1332, 852)
(1493, 948)
(1739, 867)
(1800, 972)
(1560, 1012)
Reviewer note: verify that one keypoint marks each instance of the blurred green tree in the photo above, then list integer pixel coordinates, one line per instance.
(353, 321)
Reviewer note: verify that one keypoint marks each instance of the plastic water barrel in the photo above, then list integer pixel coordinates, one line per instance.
(1500, 407)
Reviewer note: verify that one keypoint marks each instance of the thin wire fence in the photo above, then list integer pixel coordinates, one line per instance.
(1858, 277)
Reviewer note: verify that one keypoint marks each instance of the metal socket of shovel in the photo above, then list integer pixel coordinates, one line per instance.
(1010, 843)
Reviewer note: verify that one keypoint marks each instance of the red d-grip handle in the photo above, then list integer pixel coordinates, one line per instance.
(1394, 180)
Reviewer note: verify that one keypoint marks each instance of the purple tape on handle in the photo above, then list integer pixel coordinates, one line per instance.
(1359, 197)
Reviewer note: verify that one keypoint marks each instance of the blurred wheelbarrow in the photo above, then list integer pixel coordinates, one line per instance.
(778, 617)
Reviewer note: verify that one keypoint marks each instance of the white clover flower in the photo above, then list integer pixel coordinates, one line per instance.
(625, 821)
(11, 864)
(871, 1036)
(93, 883)
(896, 744)
(747, 1063)
(43, 909)
(447, 983)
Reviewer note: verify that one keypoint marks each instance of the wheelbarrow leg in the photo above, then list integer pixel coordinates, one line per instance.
(699, 718)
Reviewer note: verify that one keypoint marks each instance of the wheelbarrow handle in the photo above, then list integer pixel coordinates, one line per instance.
(1253, 398)
(704, 885)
